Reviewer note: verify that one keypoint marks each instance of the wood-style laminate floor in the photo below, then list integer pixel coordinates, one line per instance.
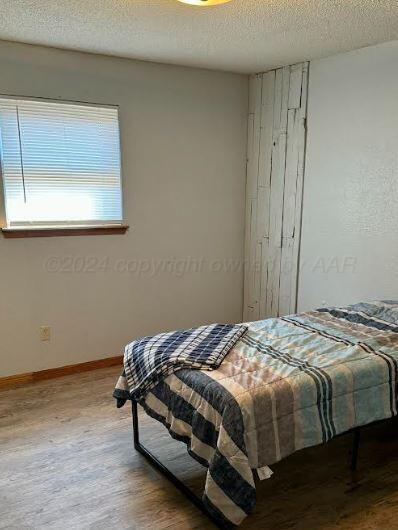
(67, 462)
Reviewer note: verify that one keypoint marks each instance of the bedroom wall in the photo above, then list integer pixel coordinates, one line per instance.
(183, 134)
(349, 248)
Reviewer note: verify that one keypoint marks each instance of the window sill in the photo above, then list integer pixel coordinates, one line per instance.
(12, 233)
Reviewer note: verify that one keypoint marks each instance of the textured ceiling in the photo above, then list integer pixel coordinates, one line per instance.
(241, 36)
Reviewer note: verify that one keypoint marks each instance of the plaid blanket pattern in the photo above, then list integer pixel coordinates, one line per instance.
(149, 360)
(288, 383)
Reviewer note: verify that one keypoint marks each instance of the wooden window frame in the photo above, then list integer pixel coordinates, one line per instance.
(23, 232)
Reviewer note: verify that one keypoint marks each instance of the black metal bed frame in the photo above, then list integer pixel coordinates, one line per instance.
(157, 464)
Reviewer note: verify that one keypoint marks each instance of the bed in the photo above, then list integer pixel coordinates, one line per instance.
(288, 383)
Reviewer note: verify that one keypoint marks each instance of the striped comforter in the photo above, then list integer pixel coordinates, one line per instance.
(289, 383)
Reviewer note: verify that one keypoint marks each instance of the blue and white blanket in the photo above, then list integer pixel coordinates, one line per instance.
(288, 383)
(149, 360)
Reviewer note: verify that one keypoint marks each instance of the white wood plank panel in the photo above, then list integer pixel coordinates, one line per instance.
(285, 289)
(265, 155)
(304, 92)
(252, 174)
(255, 245)
(250, 171)
(272, 255)
(289, 214)
(257, 281)
(263, 205)
(253, 277)
(247, 267)
(264, 189)
(248, 216)
(265, 256)
(292, 156)
(252, 163)
(252, 88)
(251, 193)
(267, 122)
(301, 133)
(277, 188)
(296, 81)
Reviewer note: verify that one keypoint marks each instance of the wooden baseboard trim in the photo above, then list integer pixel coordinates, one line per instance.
(13, 381)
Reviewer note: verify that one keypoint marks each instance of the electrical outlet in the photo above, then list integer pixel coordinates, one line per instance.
(45, 333)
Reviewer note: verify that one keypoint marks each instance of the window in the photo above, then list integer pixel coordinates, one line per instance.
(60, 164)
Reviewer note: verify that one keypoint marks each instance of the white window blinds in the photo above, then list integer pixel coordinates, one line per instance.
(60, 163)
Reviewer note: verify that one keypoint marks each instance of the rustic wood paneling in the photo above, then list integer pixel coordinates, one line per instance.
(276, 148)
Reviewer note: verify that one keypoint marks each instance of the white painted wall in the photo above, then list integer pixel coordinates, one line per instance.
(183, 134)
(350, 214)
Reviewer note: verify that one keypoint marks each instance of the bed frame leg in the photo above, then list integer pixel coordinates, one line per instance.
(167, 473)
(136, 432)
(355, 449)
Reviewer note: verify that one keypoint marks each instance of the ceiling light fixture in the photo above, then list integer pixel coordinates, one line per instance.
(204, 3)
